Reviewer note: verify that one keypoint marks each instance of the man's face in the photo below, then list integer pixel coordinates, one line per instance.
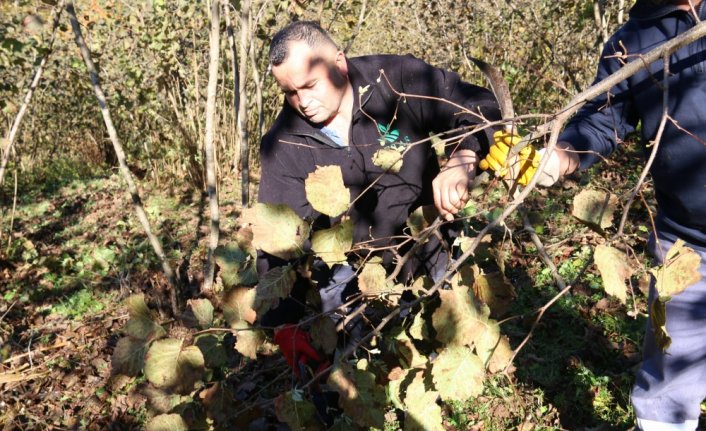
(314, 81)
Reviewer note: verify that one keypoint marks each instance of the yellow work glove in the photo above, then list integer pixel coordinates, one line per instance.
(520, 169)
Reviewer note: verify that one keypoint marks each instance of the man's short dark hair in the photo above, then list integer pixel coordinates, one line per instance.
(307, 31)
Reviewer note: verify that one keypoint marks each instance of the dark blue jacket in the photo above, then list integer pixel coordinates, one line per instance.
(679, 170)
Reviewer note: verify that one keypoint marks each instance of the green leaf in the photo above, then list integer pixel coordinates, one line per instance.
(169, 422)
(382, 128)
(277, 230)
(237, 266)
(457, 320)
(212, 349)
(422, 412)
(275, 284)
(199, 313)
(614, 269)
(595, 209)
(324, 335)
(458, 374)
(168, 365)
(360, 397)
(332, 244)
(238, 305)
(326, 192)
(388, 159)
(679, 271)
(248, 340)
(418, 330)
(299, 415)
(141, 324)
(129, 356)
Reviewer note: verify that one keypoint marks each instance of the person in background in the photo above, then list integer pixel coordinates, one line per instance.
(670, 384)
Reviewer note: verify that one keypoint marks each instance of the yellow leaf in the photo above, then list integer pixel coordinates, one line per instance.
(423, 414)
(595, 208)
(458, 374)
(332, 244)
(238, 305)
(371, 280)
(276, 230)
(614, 269)
(679, 271)
(388, 159)
(493, 348)
(326, 192)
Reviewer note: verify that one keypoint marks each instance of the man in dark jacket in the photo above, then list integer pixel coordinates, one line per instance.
(670, 385)
(340, 111)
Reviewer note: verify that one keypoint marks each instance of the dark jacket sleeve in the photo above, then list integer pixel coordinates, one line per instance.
(604, 121)
(459, 104)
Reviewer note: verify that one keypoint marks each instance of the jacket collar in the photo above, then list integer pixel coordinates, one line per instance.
(648, 9)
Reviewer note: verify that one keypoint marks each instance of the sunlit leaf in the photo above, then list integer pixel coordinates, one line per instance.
(418, 330)
(170, 365)
(238, 305)
(614, 268)
(274, 285)
(679, 271)
(332, 244)
(277, 230)
(199, 313)
(168, 422)
(388, 159)
(360, 397)
(326, 192)
(371, 280)
(248, 341)
(422, 412)
(299, 415)
(323, 334)
(595, 209)
(141, 324)
(129, 356)
(458, 374)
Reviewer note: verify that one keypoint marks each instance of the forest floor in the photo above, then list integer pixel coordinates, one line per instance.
(75, 252)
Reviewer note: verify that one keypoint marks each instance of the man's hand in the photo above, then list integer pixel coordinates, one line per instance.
(524, 166)
(451, 185)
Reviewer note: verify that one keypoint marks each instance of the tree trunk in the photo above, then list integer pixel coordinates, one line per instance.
(209, 147)
(235, 72)
(117, 146)
(242, 114)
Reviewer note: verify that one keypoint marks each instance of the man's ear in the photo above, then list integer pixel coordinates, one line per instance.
(341, 63)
